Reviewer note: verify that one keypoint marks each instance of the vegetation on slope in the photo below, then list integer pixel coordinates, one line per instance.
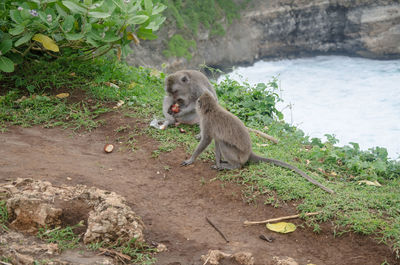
(191, 17)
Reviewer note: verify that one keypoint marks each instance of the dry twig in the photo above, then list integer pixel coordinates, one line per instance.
(279, 219)
(216, 228)
(115, 253)
(264, 135)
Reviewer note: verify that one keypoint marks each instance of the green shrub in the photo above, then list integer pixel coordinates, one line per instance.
(252, 104)
(74, 28)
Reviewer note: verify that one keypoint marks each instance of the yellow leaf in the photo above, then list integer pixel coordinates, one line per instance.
(282, 227)
(62, 95)
(47, 42)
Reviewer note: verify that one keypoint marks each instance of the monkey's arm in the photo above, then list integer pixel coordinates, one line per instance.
(169, 119)
(204, 142)
(189, 109)
(256, 158)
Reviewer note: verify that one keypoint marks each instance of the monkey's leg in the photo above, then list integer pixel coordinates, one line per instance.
(205, 141)
(217, 155)
(231, 155)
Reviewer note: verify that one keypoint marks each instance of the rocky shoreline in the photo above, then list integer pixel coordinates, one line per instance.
(276, 29)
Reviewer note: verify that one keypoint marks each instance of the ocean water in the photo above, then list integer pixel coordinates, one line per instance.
(356, 99)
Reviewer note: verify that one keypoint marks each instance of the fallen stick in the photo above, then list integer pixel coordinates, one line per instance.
(266, 136)
(115, 253)
(216, 228)
(279, 219)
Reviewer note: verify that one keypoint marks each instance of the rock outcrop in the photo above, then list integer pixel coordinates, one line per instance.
(280, 29)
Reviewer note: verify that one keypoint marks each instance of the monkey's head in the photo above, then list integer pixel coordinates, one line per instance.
(177, 86)
(206, 103)
(177, 83)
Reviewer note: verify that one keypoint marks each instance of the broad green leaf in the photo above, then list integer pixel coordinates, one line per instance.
(68, 23)
(282, 227)
(156, 23)
(17, 30)
(61, 11)
(110, 37)
(16, 16)
(74, 36)
(87, 2)
(5, 46)
(15, 57)
(146, 34)
(47, 42)
(92, 42)
(126, 49)
(120, 4)
(137, 19)
(99, 14)
(27, 37)
(148, 5)
(6, 65)
(159, 8)
(74, 7)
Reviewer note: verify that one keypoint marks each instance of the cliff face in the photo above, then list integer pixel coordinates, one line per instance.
(280, 29)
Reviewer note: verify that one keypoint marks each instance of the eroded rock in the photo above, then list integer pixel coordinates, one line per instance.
(214, 257)
(33, 204)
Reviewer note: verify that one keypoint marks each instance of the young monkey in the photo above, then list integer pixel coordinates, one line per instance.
(231, 138)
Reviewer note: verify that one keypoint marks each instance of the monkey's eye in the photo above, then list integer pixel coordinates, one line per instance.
(184, 79)
(180, 101)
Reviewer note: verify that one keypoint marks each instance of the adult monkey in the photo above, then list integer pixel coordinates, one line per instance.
(184, 88)
(231, 138)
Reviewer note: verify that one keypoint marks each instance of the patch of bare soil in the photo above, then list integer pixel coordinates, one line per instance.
(173, 201)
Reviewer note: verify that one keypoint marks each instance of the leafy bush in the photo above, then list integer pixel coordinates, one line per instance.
(252, 104)
(74, 28)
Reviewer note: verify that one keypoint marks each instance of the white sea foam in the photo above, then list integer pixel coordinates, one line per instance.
(356, 99)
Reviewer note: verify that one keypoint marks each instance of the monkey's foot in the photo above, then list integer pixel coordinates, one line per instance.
(187, 162)
(215, 167)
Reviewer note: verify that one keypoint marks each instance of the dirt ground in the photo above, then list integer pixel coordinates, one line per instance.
(173, 202)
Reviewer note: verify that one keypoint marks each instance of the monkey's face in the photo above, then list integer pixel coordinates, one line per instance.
(177, 83)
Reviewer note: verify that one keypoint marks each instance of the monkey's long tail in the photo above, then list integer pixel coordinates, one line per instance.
(256, 158)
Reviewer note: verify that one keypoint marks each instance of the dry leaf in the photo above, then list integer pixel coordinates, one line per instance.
(62, 95)
(282, 227)
(72, 74)
(133, 37)
(263, 145)
(119, 53)
(119, 104)
(111, 85)
(370, 183)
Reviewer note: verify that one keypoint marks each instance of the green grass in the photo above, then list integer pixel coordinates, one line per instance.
(355, 207)
(65, 237)
(3, 215)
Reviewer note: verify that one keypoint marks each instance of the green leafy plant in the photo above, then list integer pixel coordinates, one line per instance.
(73, 28)
(252, 104)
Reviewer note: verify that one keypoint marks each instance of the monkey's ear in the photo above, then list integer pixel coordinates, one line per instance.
(185, 79)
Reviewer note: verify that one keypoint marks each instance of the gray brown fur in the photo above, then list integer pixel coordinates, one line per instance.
(232, 140)
(184, 87)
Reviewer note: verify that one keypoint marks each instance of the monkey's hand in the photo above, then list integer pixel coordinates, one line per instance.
(187, 162)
